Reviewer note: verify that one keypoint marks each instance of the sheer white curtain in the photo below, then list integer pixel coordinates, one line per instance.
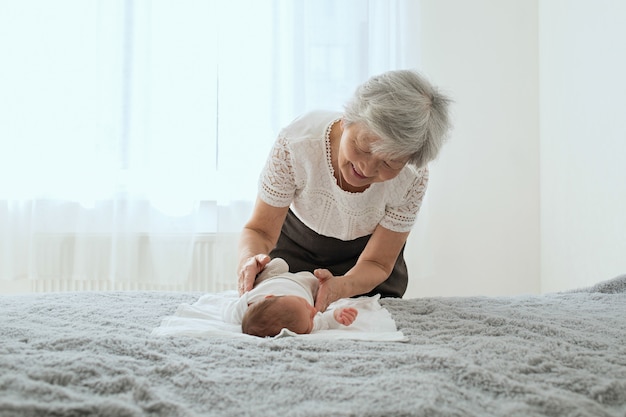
(132, 132)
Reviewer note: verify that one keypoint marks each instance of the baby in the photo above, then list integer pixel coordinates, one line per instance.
(284, 300)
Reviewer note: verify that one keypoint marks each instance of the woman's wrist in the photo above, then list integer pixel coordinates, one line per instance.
(345, 287)
(356, 284)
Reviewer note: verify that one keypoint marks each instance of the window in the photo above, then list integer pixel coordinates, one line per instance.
(152, 117)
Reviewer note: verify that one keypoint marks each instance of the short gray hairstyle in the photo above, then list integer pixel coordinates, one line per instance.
(408, 113)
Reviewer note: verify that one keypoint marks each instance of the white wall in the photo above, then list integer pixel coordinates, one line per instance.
(583, 142)
(478, 231)
(529, 195)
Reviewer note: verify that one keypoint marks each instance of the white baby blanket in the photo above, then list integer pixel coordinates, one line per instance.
(204, 319)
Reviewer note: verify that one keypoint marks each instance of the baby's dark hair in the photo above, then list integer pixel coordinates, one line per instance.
(267, 317)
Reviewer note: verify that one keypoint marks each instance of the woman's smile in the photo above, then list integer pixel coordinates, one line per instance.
(357, 174)
(359, 166)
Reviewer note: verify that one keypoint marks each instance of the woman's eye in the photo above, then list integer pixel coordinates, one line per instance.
(394, 165)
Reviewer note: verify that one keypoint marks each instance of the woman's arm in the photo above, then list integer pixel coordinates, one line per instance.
(372, 268)
(258, 238)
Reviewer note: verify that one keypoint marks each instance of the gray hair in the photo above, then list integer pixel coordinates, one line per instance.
(405, 111)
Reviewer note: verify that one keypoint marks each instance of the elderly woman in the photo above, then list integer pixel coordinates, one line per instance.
(340, 193)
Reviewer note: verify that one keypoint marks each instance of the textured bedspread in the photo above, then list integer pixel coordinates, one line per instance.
(79, 354)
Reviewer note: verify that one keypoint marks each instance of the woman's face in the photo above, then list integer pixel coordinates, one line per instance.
(358, 165)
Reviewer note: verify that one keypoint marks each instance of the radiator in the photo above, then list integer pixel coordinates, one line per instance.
(204, 263)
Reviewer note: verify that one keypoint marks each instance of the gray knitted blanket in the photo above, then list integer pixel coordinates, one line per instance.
(92, 354)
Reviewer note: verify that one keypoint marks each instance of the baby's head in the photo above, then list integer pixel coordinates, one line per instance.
(269, 316)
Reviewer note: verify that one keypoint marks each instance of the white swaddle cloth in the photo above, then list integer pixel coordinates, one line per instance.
(204, 319)
(220, 314)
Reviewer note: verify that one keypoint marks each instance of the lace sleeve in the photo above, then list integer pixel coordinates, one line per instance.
(400, 218)
(277, 182)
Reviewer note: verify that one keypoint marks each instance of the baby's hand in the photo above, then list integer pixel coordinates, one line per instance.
(345, 316)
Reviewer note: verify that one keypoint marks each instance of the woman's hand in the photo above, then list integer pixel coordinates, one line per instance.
(331, 289)
(257, 239)
(249, 270)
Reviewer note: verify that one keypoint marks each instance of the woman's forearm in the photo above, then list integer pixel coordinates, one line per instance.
(363, 278)
(252, 243)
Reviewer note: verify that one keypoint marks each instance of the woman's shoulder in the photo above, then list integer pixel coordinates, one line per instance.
(411, 174)
(408, 187)
(310, 125)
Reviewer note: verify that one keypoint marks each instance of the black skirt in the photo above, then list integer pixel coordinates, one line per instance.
(306, 250)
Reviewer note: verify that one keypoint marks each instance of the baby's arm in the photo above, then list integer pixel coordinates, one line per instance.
(345, 316)
(334, 319)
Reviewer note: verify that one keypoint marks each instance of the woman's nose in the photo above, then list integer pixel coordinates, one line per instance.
(369, 167)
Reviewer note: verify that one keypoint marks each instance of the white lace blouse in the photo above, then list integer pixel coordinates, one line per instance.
(299, 173)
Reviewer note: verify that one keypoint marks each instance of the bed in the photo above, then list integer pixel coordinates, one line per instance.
(95, 353)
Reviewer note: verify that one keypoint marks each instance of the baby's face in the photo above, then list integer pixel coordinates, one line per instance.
(304, 312)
